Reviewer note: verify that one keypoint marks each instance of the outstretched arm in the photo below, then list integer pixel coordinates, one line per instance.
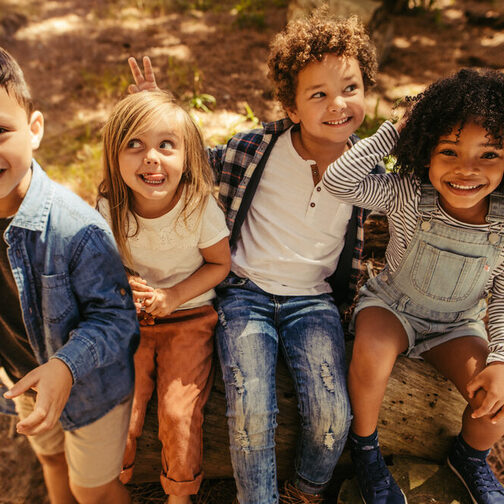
(145, 81)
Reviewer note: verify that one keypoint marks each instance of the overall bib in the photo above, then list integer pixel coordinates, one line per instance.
(438, 290)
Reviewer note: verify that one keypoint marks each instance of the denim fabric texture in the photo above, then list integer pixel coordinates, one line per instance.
(252, 326)
(74, 296)
(440, 284)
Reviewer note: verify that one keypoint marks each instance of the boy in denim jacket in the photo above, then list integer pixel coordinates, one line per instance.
(68, 325)
(295, 256)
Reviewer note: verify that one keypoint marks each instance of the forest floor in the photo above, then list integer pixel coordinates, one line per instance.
(74, 56)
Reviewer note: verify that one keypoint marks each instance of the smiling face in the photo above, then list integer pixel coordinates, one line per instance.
(465, 168)
(19, 136)
(329, 100)
(151, 165)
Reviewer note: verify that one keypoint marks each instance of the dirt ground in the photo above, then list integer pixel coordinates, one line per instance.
(74, 55)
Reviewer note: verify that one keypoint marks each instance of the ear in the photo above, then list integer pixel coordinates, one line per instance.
(36, 128)
(293, 116)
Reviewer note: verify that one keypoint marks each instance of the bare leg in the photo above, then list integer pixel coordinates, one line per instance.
(56, 478)
(113, 492)
(379, 339)
(460, 360)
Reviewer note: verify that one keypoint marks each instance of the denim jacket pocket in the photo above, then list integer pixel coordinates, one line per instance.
(56, 297)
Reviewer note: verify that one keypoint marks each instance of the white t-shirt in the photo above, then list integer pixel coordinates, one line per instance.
(166, 250)
(294, 231)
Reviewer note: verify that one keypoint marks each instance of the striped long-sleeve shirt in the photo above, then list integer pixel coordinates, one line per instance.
(350, 179)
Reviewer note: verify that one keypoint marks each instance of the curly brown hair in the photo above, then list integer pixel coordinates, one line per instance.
(467, 96)
(307, 40)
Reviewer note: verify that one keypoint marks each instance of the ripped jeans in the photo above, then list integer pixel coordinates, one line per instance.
(251, 325)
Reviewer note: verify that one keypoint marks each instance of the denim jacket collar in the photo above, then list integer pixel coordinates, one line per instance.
(34, 210)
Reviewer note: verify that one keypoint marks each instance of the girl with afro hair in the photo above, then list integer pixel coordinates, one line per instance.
(445, 258)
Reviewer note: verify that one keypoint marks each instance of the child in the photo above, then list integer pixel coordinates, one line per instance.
(445, 255)
(156, 194)
(293, 255)
(67, 321)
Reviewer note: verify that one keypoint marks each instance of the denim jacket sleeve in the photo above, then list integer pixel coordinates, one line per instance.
(107, 315)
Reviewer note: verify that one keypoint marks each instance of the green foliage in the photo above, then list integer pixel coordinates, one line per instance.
(73, 158)
(112, 82)
(199, 100)
(370, 123)
(250, 14)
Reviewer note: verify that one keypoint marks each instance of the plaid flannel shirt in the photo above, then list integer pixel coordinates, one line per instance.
(238, 167)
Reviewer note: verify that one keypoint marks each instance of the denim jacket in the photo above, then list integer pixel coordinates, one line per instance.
(74, 296)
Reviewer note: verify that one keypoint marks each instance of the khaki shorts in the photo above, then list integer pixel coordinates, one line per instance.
(94, 453)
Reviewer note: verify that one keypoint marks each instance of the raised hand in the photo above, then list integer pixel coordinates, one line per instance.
(53, 383)
(143, 81)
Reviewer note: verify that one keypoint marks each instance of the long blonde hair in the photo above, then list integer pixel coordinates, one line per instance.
(131, 117)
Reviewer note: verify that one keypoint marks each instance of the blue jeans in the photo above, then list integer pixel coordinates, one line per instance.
(251, 325)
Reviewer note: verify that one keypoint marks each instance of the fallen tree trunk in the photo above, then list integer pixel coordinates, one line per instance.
(420, 415)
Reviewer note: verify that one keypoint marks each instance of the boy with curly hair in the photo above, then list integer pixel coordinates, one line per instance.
(295, 256)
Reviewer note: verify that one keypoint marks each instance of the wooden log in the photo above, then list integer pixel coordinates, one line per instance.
(420, 415)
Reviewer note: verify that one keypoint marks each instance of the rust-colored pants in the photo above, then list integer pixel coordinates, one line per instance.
(175, 355)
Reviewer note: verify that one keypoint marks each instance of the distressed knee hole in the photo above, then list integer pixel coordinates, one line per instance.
(327, 377)
(243, 440)
(238, 379)
(329, 440)
(222, 318)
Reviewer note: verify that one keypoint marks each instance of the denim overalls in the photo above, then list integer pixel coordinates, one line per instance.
(438, 290)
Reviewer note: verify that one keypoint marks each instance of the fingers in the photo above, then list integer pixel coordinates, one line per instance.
(135, 71)
(149, 73)
(41, 419)
(26, 383)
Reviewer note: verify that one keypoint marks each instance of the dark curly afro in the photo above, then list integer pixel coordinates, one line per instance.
(308, 40)
(467, 96)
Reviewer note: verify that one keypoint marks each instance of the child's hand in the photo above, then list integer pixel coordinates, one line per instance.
(147, 83)
(53, 383)
(491, 380)
(163, 303)
(141, 291)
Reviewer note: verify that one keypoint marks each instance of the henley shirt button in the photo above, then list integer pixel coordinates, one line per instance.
(312, 204)
(319, 189)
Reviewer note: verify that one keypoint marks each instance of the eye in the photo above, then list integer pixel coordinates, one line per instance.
(134, 143)
(318, 94)
(166, 144)
(350, 88)
(490, 155)
(448, 152)
(3, 130)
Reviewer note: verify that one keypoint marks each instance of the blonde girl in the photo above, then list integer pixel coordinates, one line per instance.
(172, 236)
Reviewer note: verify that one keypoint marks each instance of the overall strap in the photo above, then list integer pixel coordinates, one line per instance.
(495, 208)
(428, 199)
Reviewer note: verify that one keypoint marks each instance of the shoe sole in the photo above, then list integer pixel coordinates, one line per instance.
(461, 479)
(364, 500)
